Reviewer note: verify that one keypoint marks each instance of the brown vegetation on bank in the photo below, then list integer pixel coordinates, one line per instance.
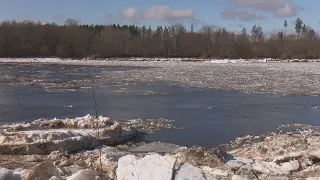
(31, 39)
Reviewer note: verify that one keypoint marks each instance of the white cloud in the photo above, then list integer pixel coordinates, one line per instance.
(248, 15)
(59, 18)
(279, 8)
(156, 12)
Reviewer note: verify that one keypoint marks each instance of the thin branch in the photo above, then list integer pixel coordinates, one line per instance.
(97, 128)
(95, 106)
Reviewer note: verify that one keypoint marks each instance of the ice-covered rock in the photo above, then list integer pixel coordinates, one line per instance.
(289, 157)
(247, 172)
(157, 147)
(149, 125)
(87, 121)
(152, 166)
(42, 171)
(235, 164)
(57, 178)
(54, 155)
(199, 156)
(87, 174)
(16, 126)
(188, 172)
(237, 177)
(243, 160)
(291, 166)
(70, 170)
(219, 171)
(70, 140)
(269, 168)
(109, 161)
(219, 61)
(6, 174)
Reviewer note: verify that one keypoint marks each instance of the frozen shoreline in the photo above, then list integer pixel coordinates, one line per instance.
(291, 153)
(154, 59)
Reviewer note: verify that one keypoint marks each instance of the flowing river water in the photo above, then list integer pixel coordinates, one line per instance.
(209, 116)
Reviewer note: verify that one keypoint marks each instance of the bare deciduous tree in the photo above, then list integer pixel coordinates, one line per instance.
(35, 39)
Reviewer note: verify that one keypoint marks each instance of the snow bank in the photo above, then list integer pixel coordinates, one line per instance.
(62, 135)
(286, 155)
(87, 121)
(43, 136)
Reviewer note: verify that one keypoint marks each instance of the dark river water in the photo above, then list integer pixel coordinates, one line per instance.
(209, 117)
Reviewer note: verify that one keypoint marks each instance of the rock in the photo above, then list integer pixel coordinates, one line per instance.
(64, 163)
(152, 166)
(247, 172)
(220, 172)
(33, 158)
(18, 128)
(199, 156)
(114, 155)
(216, 171)
(274, 177)
(268, 168)
(305, 162)
(109, 167)
(6, 174)
(56, 178)
(88, 162)
(69, 170)
(291, 166)
(312, 171)
(87, 174)
(109, 161)
(54, 155)
(189, 172)
(157, 147)
(208, 176)
(55, 123)
(235, 164)
(288, 157)
(244, 160)
(42, 171)
(237, 177)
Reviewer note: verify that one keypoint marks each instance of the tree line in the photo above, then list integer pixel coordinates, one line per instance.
(74, 40)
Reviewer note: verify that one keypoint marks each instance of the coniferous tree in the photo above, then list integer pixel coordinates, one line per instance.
(298, 26)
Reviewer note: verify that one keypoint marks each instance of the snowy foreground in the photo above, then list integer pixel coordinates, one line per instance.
(74, 149)
(270, 76)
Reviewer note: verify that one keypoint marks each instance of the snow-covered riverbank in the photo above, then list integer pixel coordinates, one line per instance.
(137, 59)
(292, 153)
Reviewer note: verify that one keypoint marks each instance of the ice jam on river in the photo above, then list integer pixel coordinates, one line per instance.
(88, 147)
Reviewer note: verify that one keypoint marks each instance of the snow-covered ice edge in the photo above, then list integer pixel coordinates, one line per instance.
(98, 61)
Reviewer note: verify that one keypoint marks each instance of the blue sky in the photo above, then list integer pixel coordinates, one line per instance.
(231, 14)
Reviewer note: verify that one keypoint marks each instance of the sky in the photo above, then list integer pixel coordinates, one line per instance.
(230, 14)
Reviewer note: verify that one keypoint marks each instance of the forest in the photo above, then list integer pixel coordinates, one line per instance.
(75, 40)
